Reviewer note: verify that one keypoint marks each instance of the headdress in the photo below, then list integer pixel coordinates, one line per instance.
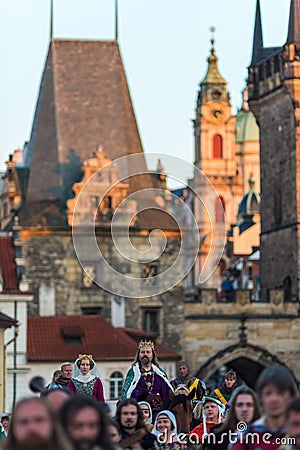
(85, 357)
(184, 363)
(89, 357)
(172, 419)
(150, 411)
(76, 373)
(221, 409)
(146, 344)
(210, 398)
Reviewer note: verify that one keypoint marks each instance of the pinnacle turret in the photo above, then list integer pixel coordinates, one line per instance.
(257, 36)
(293, 36)
(213, 85)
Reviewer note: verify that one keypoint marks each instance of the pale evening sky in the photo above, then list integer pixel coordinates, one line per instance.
(164, 45)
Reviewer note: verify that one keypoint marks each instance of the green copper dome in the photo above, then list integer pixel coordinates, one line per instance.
(250, 203)
(246, 127)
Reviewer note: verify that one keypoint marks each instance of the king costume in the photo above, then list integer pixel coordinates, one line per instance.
(153, 382)
(146, 381)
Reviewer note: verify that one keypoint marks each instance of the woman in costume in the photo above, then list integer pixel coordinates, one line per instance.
(165, 428)
(147, 414)
(86, 378)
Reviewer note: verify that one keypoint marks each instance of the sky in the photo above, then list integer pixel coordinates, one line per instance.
(164, 46)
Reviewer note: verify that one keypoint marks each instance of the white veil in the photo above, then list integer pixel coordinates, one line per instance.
(93, 373)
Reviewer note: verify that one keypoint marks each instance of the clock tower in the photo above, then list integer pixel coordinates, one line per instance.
(215, 155)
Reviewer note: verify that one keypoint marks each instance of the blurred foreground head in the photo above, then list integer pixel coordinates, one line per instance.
(34, 426)
(86, 423)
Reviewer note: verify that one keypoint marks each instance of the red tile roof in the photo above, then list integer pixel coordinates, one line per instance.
(8, 264)
(47, 339)
(138, 335)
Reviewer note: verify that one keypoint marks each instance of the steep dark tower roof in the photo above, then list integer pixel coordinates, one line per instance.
(294, 23)
(84, 102)
(258, 42)
(259, 53)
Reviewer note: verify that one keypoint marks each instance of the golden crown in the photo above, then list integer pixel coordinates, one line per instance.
(146, 344)
(89, 357)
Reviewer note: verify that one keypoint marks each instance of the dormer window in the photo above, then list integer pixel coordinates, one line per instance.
(73, 334)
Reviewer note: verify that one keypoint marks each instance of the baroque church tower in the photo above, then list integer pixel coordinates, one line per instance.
(215, 155)
(274, 98)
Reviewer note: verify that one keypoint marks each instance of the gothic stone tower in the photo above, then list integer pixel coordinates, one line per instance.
(215, 155)
(274, 97)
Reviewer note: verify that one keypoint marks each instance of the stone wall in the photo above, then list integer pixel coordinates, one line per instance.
(271, 333)
(50, 261)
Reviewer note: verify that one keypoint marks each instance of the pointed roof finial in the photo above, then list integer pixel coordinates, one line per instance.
(116, 21)
(160, 167)
(213, 75)
(212, 39)
(294, 23)
(257, 36)
(51, 20)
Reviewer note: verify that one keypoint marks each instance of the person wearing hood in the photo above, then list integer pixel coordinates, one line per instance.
(86, 379)
(212, 413)
(147, 413)
(165, 430)
(186, 379)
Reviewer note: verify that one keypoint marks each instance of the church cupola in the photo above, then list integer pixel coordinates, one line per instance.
(213, 86)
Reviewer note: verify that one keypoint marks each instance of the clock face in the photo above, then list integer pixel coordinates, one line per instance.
(217, 114)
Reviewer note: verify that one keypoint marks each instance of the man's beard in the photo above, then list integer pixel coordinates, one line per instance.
(84, 444)
(129, 426)
(145, 361)
(35, 442)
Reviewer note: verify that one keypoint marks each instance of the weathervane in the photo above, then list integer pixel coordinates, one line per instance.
(212, 39)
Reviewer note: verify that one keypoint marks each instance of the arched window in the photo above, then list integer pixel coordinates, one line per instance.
(115, 385)
(219, 210)
(217, 146)
(287, 289)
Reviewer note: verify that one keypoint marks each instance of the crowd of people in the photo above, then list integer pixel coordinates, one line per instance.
(155, 412)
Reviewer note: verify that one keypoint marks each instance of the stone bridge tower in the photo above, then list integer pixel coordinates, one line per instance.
(274, 98)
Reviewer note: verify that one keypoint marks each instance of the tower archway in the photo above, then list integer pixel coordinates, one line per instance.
(248, 361)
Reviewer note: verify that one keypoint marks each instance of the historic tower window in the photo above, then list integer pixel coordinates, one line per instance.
(287, 289)
(277, 206)
(219, 210)
(115, 385)
(217, 146)
(151, 320)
